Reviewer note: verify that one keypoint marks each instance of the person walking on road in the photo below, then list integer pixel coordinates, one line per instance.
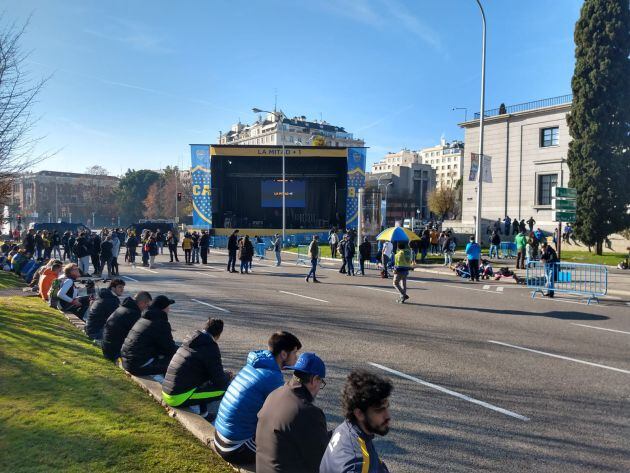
(386, 254)
(195, 247)
(171, 241)
(187, 245)
(473, 255)
(132, 247)
(277, 249)
(204, 244)
(342, 252)
(365, 254)
(350, 251)
(550, 258)
(232, 247)
(291, 434)
(246, 254)
(333, 241)
(153, 251)
(365, 402)
(448, 248)
(402, 265)
(313, 254)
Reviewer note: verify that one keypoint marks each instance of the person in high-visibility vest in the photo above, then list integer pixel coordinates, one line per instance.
(402, 265)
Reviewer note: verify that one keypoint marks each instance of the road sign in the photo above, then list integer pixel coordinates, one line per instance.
(564, 193)
(564, 204)
(562, 216)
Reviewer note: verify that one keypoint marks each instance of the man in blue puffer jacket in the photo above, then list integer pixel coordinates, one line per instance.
(238, 413)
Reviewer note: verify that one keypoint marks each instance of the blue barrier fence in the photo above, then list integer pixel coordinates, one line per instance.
(260, 250)
(507, 249)
(589, 280)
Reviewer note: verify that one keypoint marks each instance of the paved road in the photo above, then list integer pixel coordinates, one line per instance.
(485, 377)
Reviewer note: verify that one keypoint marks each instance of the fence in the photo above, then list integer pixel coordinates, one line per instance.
(260, 250)
(575, 278)
(507, 249)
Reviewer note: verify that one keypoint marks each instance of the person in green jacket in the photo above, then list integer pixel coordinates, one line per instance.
(313, 254)
(521, 243)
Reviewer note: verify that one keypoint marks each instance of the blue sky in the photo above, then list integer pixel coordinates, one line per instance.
(133, 82)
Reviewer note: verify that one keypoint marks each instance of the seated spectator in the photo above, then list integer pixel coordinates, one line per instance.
(18, 261)
(49, 274)
(104, 305)
(291, 433)
(67, 298)
(365, 401)
(119, 324)
(195, 376)
(236, 421)
(149, 346)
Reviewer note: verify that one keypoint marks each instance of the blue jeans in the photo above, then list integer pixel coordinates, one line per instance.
(278, 258)
(313, 268)
(551, 274)
(350, 266)
(493, 250)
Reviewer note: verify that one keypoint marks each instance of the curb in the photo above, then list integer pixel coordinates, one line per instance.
(195, 424)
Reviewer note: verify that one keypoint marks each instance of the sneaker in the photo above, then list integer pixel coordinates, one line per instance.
(405, 297)
(306, 279)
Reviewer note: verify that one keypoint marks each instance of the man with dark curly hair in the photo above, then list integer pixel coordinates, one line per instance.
(365, 401)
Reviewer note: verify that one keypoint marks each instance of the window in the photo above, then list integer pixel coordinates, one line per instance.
(549, 137)
(545, 183)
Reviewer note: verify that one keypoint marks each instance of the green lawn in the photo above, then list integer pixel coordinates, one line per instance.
(610, 259)
(65, 408)
(9, 280)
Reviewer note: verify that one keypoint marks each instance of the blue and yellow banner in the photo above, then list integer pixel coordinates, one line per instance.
(201, 185)
(355, 181)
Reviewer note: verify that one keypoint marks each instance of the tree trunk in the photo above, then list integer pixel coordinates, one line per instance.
(598, 249)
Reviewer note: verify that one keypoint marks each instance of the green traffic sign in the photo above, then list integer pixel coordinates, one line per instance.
(564, 204)
(565, 192)
(563, 216)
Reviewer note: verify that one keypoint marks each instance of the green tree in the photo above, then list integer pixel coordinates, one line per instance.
(599, 122)
(132, 191)
(442, 201)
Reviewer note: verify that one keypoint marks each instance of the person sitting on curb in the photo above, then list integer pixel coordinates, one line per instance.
(68, 299)
(195, 376)
(365, 401)
(236, 420)
(49, 274)
(149, 346)
(104, 305)
(291, 433)
(119, 324)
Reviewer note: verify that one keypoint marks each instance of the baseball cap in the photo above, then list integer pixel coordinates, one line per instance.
(162, 302)
(309, 363)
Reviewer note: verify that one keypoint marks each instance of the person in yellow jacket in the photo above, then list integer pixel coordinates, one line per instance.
(187, 244)
(402, 265)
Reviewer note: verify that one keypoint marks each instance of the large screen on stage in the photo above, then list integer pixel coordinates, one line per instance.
(271, 193)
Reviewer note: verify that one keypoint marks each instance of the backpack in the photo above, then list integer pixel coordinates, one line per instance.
(53, 300)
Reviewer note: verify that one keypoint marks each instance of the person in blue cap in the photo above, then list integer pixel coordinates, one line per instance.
(291, 435)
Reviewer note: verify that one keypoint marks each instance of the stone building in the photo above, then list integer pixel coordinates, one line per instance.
(525, 149)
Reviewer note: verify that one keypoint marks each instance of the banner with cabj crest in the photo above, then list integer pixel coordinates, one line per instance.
(355, 181)
(201, 182)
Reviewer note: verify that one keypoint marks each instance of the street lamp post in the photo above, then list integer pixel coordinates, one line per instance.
(481, 116)
(279, 126)
(465, 109)
(386, 191)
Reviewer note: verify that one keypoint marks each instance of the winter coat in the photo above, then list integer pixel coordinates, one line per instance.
(132, 242)
(45, 281)
(150, 337)
(187, 243)
(105, 304)
(313, 250)
(232, 244)
(365, 250)
(115, 247)
(153, 248)
(247, 251)
(196, 362)
(291, 435)
(117, 327)
(349, 250)
(237, 416)
(106, 250)
(204, 241)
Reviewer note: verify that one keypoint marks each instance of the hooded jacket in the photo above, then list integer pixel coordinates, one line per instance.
(118, 326)
(150, 337)
(291, 435)
(237, 416)
(351, 450)
(105, 304)
(45, 281)
(196, 362)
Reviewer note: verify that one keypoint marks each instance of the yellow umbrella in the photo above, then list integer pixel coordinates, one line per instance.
(394, 234)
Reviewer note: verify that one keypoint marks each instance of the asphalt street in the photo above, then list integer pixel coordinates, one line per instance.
(486, 378)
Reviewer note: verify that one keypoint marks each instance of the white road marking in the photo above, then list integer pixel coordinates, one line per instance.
(560, 356)
(452, 393)
(417, 281)
(473, 289)
(208, 274)
(130, 279)
(500, 288)
(210, 305)
(305, 297)
(147, 269)
(377, 289)
(601, 328)
(486, 286)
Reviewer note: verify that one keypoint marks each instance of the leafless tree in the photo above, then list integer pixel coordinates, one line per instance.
(18, 93)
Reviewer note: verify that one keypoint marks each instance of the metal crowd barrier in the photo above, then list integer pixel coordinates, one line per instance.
(302, 254)
(260, 250)
(507, 249)
(218, 241)
(589, 280)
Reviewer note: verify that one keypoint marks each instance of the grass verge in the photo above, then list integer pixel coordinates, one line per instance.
(64, 408)
(9, 280)
(610, 259)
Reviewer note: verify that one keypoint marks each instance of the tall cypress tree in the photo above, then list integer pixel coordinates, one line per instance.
(599, 122)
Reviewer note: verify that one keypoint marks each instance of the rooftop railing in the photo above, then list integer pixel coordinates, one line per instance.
(523, 107)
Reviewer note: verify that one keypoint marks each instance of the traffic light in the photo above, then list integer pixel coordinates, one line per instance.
(179, 197)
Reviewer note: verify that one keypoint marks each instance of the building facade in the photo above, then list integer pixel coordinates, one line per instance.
(525, 153)
(290, 131)
(447, 159)
(49, 196)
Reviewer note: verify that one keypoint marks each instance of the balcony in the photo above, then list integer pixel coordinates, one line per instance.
(524, 107)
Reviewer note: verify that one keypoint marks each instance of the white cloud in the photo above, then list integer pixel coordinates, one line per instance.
(132, 33)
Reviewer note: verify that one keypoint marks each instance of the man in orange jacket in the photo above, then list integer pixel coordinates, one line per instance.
(48, 276)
